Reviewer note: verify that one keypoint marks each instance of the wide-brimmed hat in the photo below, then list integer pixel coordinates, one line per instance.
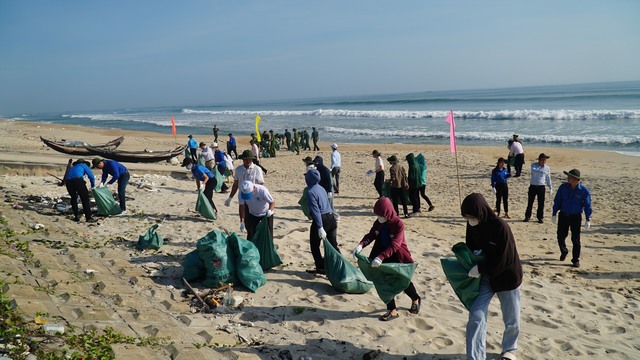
(95, 162)
(502, 160)
(246, 190)
(82, 161)
(203, 144)
(375, 153)
(392, 159)
(543, 156)
(573, 173)
(247, 154)
(187, 161)
(308, 160)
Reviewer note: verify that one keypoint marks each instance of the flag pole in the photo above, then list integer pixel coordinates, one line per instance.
(452, 143)
(458, 176)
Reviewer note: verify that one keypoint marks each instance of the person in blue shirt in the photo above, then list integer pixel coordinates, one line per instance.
(572, 199)
(118, 173)
(232, 146)
(324, 224)
(203, 176)
(499, 176)
(192, 145)
(77, 186)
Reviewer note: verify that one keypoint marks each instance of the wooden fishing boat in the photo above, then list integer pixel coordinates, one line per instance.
(145, 156)
(77, 147)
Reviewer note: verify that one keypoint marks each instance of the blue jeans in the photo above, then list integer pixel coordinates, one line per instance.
(123, 180)
(477, 325)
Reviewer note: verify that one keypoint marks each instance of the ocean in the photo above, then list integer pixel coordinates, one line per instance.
(603, 116)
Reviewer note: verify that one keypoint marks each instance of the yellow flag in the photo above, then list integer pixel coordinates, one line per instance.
(258, 130)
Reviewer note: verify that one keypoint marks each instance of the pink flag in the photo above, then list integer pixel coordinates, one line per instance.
(452, 132)
(173, 126)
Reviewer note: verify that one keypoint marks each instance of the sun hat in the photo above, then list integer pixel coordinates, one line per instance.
(186, 161)
(392, 159)
(334, 146)
(246, 190)
(95, 162)
(308, 160)
(247, 154)
(203, 144)
(573, 173)
(543, 156)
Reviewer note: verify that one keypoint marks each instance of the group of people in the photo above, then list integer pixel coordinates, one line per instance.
(487, 234)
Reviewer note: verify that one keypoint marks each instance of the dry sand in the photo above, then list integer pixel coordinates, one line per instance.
(586, 313)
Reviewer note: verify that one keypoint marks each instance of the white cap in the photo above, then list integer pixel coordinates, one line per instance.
(246, 190)
(215, 144)
(334, 146)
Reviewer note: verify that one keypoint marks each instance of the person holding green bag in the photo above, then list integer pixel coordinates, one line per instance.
(118, 173)
(500, 274)
(204, 176)
(389, 246)
(255, 203)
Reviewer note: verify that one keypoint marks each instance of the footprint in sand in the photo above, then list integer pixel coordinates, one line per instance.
(439, 342)
(544, 323)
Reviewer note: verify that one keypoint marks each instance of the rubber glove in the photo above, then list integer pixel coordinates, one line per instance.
(356, 250)
(376, 262)
(322, 233)
(493, 189)
(554, 219)
(270, 213)
(474, 272)
(101, 185)
(243, 229)
(227, 202)
(330, 195)
(550, 192)
(587, 224)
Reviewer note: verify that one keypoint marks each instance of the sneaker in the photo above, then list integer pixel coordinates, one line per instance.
(431, 208)
(526, 219)
(92, 220)
(576, 264)
(406, 216)
(124, 212)
(540, 221)
(563, 256)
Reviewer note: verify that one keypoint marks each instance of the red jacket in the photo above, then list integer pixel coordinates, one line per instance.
(396, 250)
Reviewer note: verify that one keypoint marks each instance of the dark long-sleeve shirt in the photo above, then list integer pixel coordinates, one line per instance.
(113, 168)
(499, 176)
(573, 201)
(78, 171)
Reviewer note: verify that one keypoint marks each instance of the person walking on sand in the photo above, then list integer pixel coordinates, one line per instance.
(203, 176)
(314, 138)
(287, 137)
(389, 246)
(231, 146)
(499, 176)
(296, 142)
(255, 204)
(500, 274)
(325, 181)
(398, 185)
(517, 152)
(324, 224)
(256, 155)
(540, 175)
(378, 169)
(215, 133)
(192, 145)
(336, 163)
(77, 186)
(422, 166)
(118, 173)
(572, 199)
(247, 171)
(413, 179)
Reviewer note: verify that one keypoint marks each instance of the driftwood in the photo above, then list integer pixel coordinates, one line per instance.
(195, 293)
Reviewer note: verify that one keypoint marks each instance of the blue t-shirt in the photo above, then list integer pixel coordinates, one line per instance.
(78, 171)
(113, 168)
(199, 171)
(573, 201)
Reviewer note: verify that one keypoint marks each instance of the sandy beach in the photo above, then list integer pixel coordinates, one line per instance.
(585, 313)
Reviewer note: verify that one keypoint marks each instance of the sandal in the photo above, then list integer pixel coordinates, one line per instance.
(388, 316)
(415, 308)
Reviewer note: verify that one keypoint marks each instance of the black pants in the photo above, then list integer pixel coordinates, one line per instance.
(398, 193)
(378, 182)
(315, 145)
(289, 144)
(518, 163)
(566, 222)
(329, 225)
(78, 187)
(423, 190)
(539, 191)
(414, 197)
(208, 192)
(194, 155)
(251, 223)
(410, 291)
(336, 176)
(502, 194)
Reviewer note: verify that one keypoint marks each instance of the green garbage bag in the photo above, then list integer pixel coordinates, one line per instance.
(264, 242)
(193, 266)
(343, 275)
(104, 201)
(204, 207)
(457, 269)
(390, 279)
(386, 192)
(150, 240)
(303, 203)
(218, 258)
(227, 173)
(219, 178)
(247, 262)
(201, 160)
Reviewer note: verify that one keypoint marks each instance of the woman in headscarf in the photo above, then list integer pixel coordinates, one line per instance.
(413, 177)
(500, 273)
(389, 246)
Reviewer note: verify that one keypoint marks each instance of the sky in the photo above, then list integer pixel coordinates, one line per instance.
(58, 56)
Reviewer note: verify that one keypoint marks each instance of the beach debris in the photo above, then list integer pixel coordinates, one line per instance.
(37, 226)
(89, 271)
(204, 304)
(18, 207)
(174, 161)
(53, 329)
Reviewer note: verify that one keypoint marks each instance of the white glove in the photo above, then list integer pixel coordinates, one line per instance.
(356, 250)
(330, 195)
(493, 189)
(474, 273)
(554, 219)
(376, 262)
(243, 229)
(101, 185)
(270, 213)
(550, 192)
(322, 233)
(587, 224)
(227, 202)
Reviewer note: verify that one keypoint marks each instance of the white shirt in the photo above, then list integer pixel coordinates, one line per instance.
(516, 149)
(255, 151)
(207, 153)
(379, 164)
(541, 175)
(253, 174)
(228, 160)
(259, 202)
(336, 160)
